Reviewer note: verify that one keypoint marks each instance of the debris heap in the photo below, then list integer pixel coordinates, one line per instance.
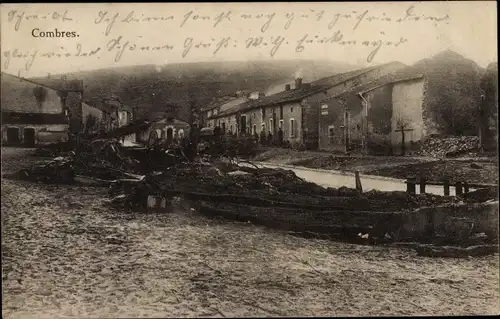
(441, 147)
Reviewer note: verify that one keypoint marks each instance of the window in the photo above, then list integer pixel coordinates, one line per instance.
(263, 112)
(281, 124)
(292, 127)
(291, 109)
(263, 127)
(253, 115)
(254, 129)
(231, 128)
(271, 125)
(331, 131)
(181, 133)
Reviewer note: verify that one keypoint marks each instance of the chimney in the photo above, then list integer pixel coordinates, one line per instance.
(287, 87)
(298, 83)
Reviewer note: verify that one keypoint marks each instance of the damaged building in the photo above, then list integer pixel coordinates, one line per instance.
(387, 115)
(295, 110)
(36, 113)
(167, 130)
(32, 113)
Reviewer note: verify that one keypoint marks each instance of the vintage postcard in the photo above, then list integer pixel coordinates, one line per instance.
(249, 159)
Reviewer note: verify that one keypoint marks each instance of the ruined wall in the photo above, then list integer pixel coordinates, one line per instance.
(44, 133)
(408, 110)
(378, 122)
(483, 217)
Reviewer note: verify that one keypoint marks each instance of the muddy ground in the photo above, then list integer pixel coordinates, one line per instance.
(64, 254)
(477, 171)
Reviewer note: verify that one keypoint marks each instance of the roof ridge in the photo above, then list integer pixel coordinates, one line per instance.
(31, 81)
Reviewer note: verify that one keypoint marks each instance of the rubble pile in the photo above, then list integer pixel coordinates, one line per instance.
(271, 188)
(441, 147)
(140, 179)
(98, 162)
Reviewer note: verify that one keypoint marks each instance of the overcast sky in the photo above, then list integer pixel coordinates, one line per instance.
(424, 29)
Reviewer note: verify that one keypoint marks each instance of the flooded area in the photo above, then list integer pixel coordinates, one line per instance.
(335, 179)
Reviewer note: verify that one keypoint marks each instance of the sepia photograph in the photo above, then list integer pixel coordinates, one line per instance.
(249, 159)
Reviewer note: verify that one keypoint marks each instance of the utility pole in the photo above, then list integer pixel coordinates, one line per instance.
(402, 129)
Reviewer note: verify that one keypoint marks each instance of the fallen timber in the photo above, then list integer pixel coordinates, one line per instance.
(274, 198)
(381, 226)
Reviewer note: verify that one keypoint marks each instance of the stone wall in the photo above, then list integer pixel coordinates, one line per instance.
(44, 133)
(483, 218)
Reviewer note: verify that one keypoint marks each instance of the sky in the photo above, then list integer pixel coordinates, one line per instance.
(100, 35)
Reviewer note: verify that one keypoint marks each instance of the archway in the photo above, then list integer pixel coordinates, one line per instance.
(12, 135)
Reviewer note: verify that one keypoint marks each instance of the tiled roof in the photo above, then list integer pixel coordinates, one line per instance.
(340, 78)
(278, 98)
(31, 81)
(218, 102)
(405, 74)
(295, 95)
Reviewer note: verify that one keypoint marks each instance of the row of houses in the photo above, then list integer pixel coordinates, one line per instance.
(35, 113)
(380, 108)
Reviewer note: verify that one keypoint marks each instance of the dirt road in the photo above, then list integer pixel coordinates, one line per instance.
(65, 255)
(471, 170)
(330, 178)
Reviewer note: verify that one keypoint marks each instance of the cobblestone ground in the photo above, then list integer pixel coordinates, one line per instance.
(65, 255)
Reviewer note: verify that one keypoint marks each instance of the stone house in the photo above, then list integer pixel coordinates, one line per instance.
(167, 130)
(369, 118)
(223, 104)
(36, 113)
(295, 110)
(111, 114)
(32, 113)
(287, 110)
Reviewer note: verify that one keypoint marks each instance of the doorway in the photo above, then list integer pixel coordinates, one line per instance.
(29, 137)
(170, 135)
(12, 135)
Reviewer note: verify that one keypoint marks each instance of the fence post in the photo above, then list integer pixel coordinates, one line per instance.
(422, 185)
(446, 187)
(359, 187)
(411, 185)
(458, 188)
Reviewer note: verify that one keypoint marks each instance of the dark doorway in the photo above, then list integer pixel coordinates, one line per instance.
(12, 135)
(223, 127)
(170, 135)
(29, 137)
